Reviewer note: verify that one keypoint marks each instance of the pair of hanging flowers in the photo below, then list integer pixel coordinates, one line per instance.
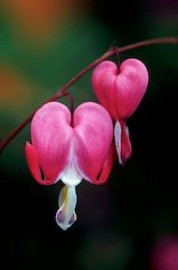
(83, 145)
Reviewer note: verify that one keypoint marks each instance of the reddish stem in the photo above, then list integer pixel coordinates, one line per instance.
(62, 91)
(118, 62)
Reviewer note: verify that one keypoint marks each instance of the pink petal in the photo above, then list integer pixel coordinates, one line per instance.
(33, 164)
(93, 130)
(107, 167)
(130, 86)
(103, 80)
(51, 135)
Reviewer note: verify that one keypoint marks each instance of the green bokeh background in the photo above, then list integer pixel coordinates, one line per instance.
(119, 222)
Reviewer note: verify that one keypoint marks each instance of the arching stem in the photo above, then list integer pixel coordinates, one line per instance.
(62, 91)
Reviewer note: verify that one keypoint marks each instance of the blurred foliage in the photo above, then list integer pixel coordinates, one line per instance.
(43, 44)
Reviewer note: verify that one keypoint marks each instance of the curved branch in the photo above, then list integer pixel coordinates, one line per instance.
(62, 91)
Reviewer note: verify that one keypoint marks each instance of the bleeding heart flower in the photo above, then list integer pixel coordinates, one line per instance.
(70, 148)
(120, 93)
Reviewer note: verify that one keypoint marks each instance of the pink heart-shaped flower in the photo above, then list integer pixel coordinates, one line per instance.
(120, 92)
(81, 141)
(70, 148)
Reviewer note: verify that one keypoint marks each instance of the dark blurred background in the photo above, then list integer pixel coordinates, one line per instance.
(42, 45)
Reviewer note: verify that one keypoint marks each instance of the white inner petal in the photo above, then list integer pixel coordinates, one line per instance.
(117, 135)
(71, 176)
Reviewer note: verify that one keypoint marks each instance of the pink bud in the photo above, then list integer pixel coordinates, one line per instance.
(120, 93)
(165, 254)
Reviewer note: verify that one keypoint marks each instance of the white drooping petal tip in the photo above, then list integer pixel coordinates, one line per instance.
(66, 215)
